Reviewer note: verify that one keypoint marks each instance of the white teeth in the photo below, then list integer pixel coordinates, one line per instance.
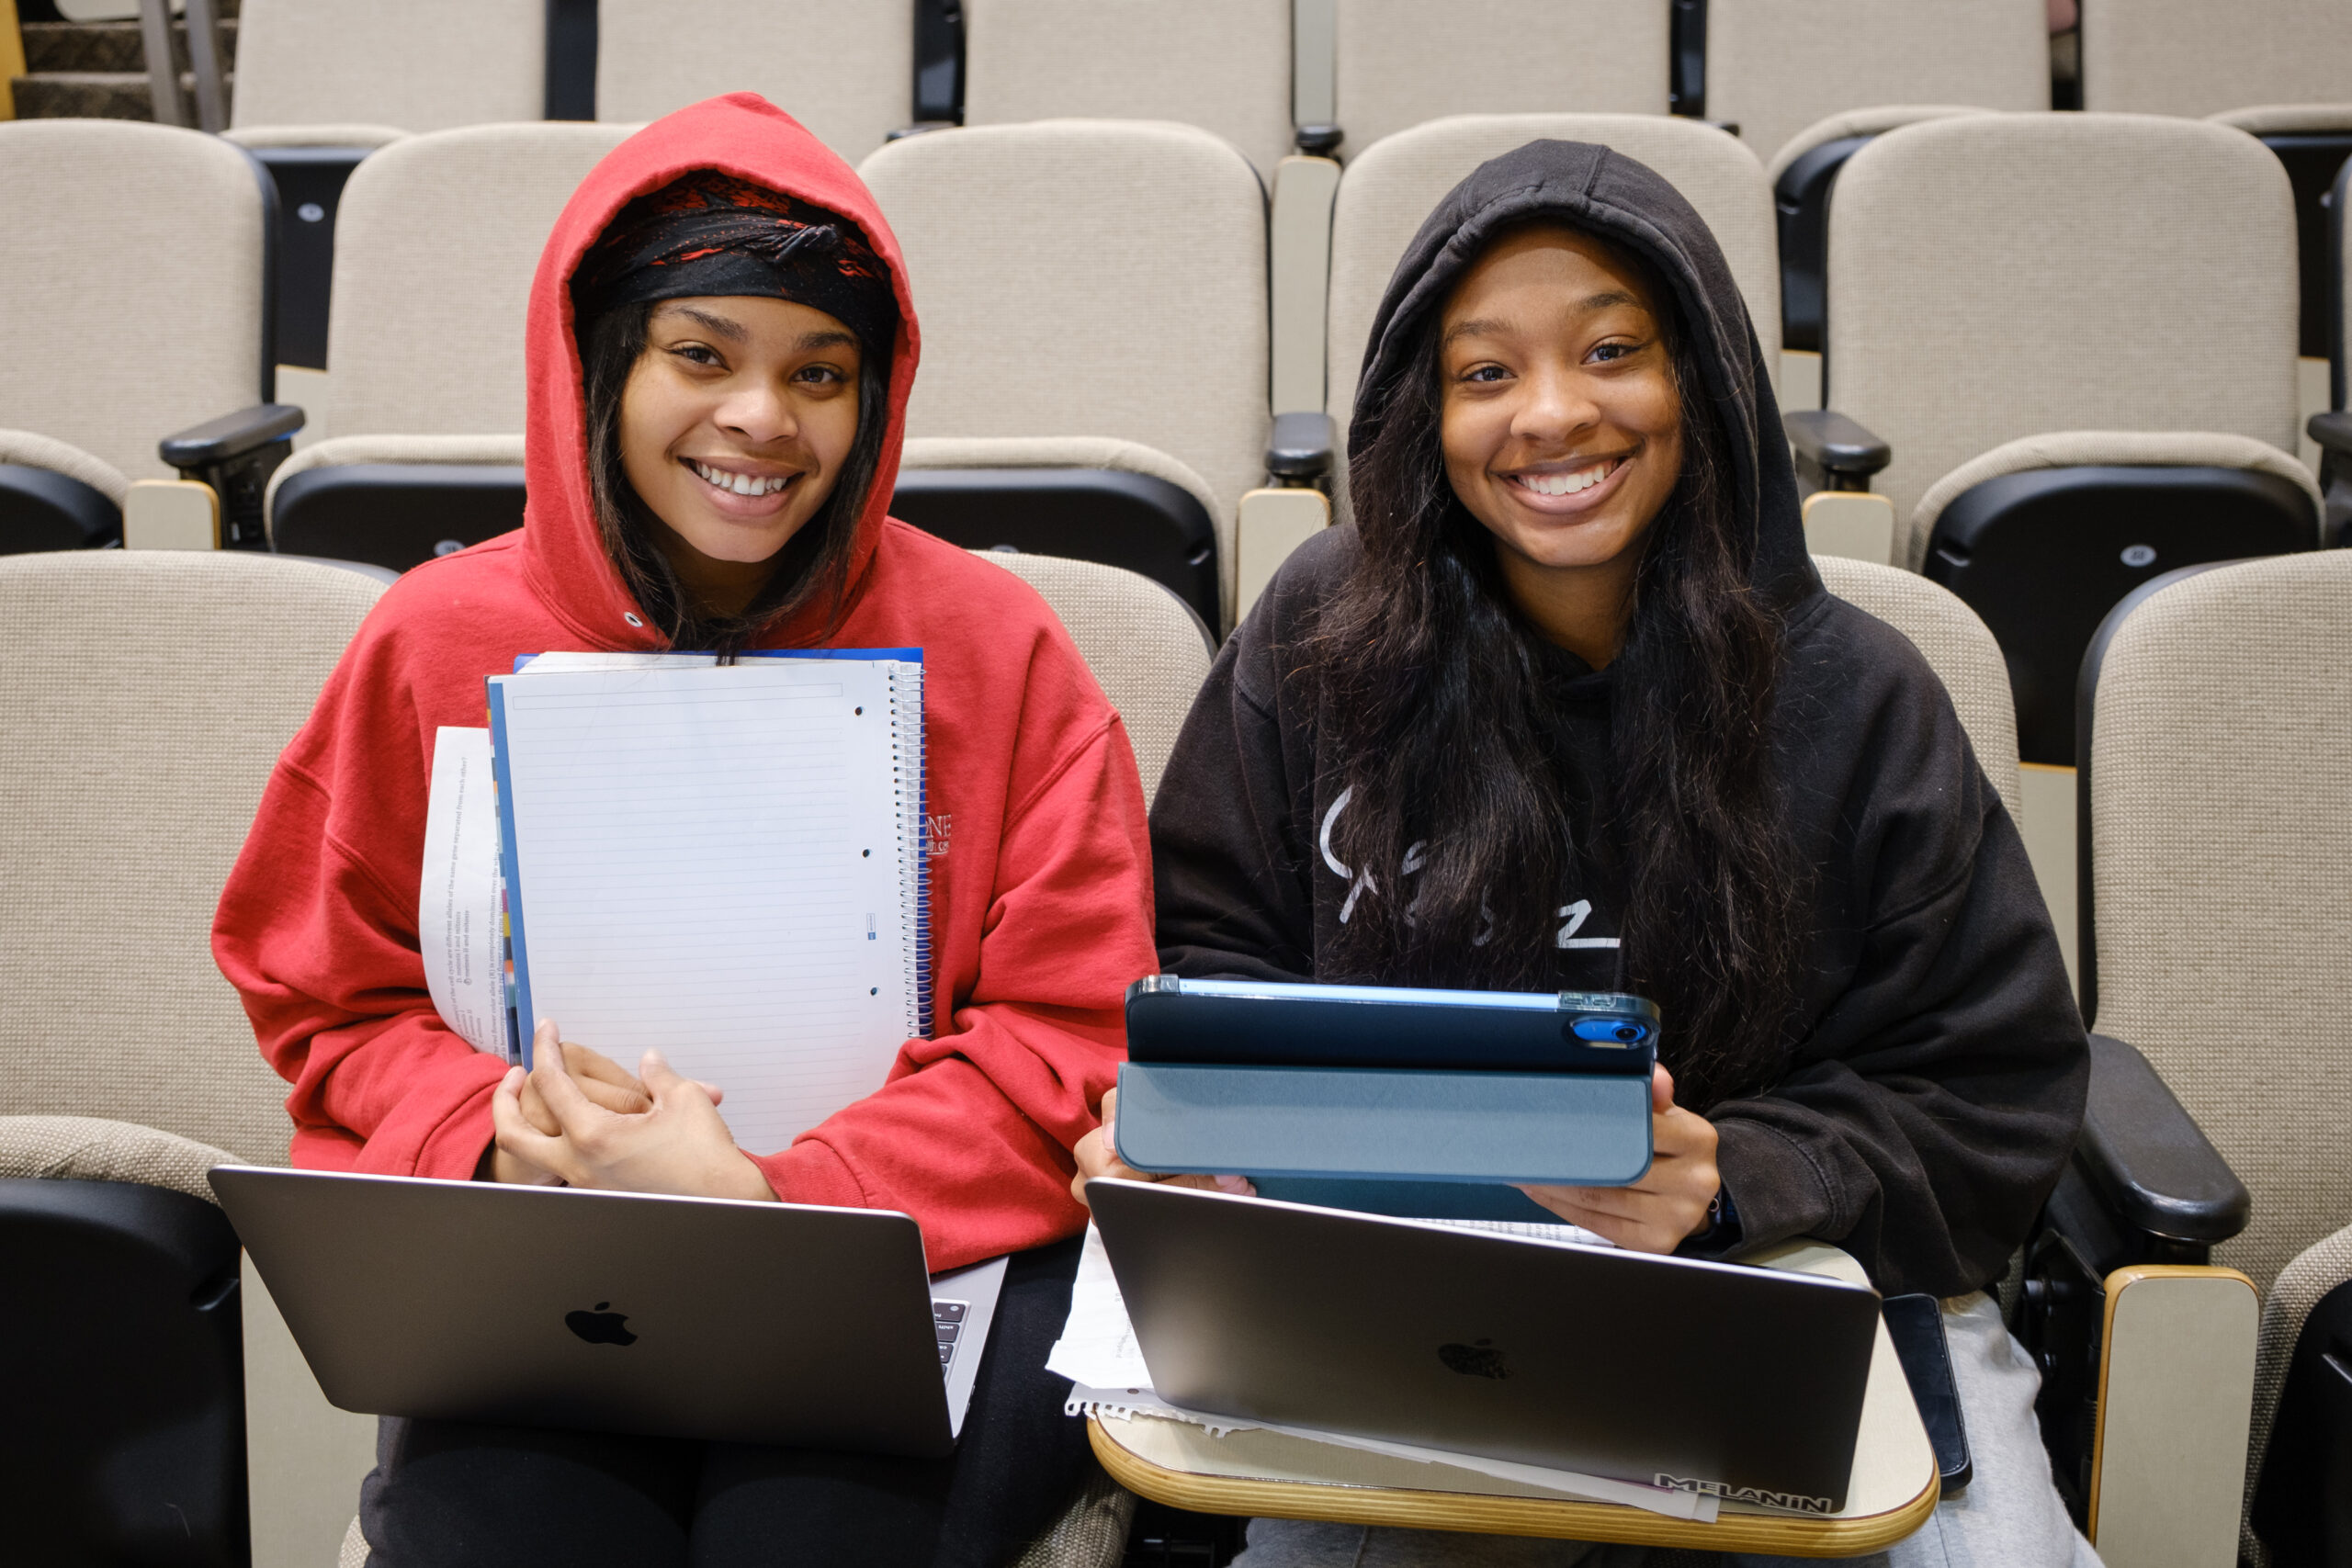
(741, 484)
(1569, 484)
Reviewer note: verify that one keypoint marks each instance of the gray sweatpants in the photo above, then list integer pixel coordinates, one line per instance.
(2008, 1518)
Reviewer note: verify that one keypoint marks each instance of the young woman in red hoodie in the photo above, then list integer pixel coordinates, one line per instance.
(721, 344)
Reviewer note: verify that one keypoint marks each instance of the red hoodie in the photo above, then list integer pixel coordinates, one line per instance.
(1041, 879)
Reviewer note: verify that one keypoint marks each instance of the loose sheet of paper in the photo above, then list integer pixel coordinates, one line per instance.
(709, 862)
(1097, 1353)
(456, 900)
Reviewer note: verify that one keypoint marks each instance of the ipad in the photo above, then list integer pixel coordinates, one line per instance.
(1299, 1087)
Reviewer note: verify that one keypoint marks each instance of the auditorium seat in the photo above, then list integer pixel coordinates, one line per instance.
(2333, 429)
(1400, 63)
(149, 694)
(1996, 280)
(133, 299)
(423, 446)
(1092, 295)
(1804, 174)
(1956, 645)
(2279, 70)
(322, 84)
(1223, 65)
(1807, 82)
(2185, 57)
(843, 68)
(1148, 649)
(1776, 66)
(2216, 790)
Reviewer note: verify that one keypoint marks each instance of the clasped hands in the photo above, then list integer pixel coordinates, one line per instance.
(580, 1118)
(1655, 1215)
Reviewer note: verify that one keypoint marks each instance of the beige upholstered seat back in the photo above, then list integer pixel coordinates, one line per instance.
(1224, 65)
(2002, 275)
(1146, 647)
(1399, 62)
(469, 210)
(843, 68)
(131, 277)
(2286, 1308)
(1776, 66)
(2221, 850)
(148, 695)
(418, 64)
(1958, 646)
(1389, 189)
(1088, 277)
(2190, 57)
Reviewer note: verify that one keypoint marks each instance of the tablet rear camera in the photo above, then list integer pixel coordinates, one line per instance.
(1610, 1031)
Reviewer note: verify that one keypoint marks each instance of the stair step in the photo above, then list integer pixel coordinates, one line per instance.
(104, 45)
(92, 94)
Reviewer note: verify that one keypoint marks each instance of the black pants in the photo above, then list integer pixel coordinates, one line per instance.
(444, 1495)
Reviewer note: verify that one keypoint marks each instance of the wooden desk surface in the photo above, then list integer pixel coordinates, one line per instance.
(1893, 1491)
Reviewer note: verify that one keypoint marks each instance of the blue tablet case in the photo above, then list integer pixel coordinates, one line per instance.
(1391, 1100)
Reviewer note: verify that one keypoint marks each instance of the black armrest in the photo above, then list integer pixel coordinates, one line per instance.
(2147, 1157)
(1299, 451)
(2333, 433)
(231, 435)
(235, 455)
(1834, 452)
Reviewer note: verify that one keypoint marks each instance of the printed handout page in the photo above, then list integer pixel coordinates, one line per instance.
(456, 901)
(708, 861)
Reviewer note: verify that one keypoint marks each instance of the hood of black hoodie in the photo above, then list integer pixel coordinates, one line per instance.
(1605, 193)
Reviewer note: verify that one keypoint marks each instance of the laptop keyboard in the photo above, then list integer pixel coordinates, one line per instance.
(947, 1317)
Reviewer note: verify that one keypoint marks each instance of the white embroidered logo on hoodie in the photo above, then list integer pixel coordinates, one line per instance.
(1360, 883)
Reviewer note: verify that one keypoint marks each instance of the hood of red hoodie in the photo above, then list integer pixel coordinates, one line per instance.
(741, 134)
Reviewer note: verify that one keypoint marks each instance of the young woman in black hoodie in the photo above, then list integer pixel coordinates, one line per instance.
(1567, 707)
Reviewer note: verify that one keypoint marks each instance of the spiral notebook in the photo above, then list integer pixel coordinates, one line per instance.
(725, 862)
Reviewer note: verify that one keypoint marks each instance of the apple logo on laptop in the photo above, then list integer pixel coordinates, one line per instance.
(601, 1328)
(1479, 1360)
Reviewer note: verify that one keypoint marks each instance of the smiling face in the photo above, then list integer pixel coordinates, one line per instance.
(1562, 423)
(734, 425)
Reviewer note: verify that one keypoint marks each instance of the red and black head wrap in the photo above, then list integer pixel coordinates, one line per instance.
(709, 234)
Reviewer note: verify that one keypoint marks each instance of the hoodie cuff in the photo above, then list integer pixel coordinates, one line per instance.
(453, 1151)
(1778, 1191)
(810, 1172)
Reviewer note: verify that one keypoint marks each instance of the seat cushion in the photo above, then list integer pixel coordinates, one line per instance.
(86, 1148)
(2099, 448)
(32, 451)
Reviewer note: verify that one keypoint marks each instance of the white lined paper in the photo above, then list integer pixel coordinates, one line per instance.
(710, 861)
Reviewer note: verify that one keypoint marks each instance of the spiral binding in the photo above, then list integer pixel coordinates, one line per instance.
(914, 865)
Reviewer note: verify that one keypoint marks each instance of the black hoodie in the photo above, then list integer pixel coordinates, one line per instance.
(1935, 1079)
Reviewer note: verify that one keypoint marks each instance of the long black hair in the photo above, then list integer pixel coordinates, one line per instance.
(1434, 695)
(814, 567)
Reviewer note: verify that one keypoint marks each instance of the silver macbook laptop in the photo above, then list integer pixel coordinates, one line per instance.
(690, 1317)
(1707, 1377)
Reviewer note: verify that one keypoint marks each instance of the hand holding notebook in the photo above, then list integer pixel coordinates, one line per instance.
(677, 1144)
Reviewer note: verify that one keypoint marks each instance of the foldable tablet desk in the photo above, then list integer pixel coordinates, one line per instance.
(1258, 1472)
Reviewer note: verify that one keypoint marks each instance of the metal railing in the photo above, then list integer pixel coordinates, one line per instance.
(211, 108)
